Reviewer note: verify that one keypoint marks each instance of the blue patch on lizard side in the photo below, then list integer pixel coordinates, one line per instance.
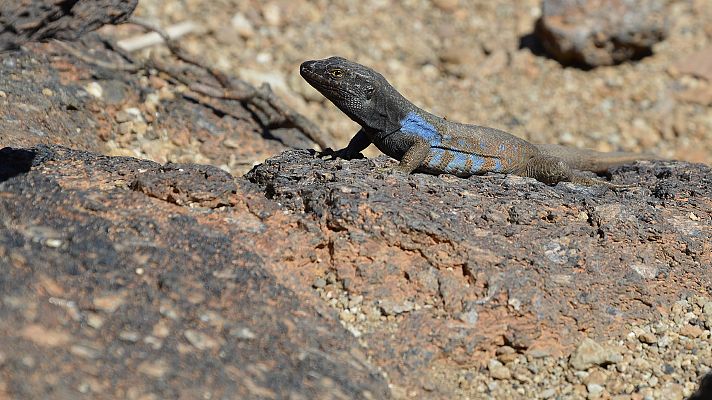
(477, 163)
(417, 125)
(497, 165)
(437, 158)
(458, 162)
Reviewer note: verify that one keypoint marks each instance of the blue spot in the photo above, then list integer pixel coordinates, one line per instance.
(461, 142)
(477, 163)
(497, 165)
(436, 158)
(502, 148)
(458, 162)
(483, 144)
(415, 124)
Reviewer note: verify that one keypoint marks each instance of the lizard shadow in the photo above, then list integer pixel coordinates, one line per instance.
(14, 162)
(704, 392)
(285, 134)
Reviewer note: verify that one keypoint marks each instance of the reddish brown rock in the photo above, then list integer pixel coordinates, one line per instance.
(113, 293)
(600, 32)
(514, 251)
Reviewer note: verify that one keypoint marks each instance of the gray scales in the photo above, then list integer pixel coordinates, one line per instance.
(425, 142)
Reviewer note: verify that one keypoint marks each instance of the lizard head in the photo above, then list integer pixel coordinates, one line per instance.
(355, 89)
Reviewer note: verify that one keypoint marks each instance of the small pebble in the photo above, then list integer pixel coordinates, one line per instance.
(94, 89)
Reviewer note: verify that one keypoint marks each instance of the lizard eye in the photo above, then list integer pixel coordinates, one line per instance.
(337, 73)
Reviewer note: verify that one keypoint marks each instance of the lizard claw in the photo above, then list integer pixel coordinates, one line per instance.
(327, 154)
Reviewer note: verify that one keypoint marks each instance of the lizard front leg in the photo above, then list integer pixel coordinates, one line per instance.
(357, 144)
(414, 156)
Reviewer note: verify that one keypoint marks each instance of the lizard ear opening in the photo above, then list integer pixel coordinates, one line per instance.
(369, 92)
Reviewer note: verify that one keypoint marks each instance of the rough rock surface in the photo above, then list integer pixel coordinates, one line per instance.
(459, 267)
(160, 280)
(106, 292)
(127, 278)
(49, 97)
(601, 32)
(31, 20)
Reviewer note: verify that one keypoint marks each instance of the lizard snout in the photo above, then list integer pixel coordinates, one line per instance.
(307, 68)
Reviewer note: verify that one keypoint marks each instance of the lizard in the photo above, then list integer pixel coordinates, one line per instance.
(424, 142)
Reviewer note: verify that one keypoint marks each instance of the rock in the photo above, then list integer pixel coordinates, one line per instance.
(243, 333)
(199, 340)
(242, 25)
(32, 20)
(202, 272)
(506, 354)
(597, 376)
(391, 308)
(45, 337)
(691, 331)
(129, 336)
(469, 317)
(94, 89)
(601, 32)
(707, 309)
(698, 64)
(155, 368)
(672, 391)
(85, 351)
(219, 252)
(589, 353)
(446, 5)
(647, 337)
(108, 303)
(498, 371)
(594, 389)
(391, 219)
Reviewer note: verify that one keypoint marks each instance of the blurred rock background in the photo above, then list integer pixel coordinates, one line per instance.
(471, 61)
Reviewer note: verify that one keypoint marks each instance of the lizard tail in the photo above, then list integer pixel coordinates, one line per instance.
(591, 160)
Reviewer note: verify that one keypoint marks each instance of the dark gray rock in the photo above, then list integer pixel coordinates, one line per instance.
(33, 20)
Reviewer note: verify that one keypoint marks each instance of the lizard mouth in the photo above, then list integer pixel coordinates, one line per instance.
(310, 71)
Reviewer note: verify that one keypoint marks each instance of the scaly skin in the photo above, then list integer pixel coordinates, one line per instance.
(425, 142)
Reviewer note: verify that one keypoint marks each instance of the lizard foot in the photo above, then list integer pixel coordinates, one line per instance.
(331, 154)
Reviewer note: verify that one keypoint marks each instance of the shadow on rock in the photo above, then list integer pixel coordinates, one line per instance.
(705, 390)
(14, 162)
